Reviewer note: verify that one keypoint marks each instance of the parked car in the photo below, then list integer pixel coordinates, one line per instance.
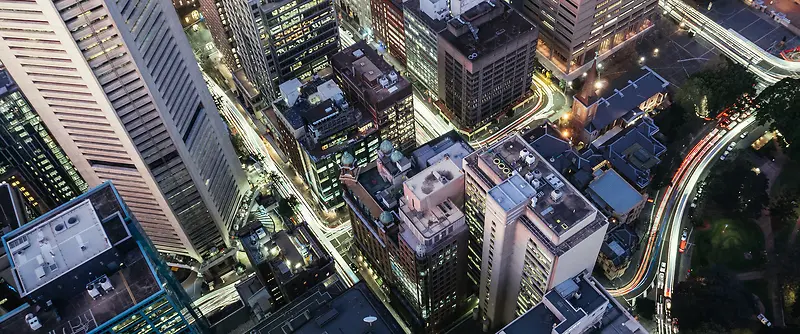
(668, 303)
(732, 145)
(743, 135)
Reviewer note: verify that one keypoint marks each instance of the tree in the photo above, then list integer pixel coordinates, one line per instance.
(287, 206)
(735, 188)
(713, 295)
(779, 105)
(711, 90)
(645, 308)
(783, 209)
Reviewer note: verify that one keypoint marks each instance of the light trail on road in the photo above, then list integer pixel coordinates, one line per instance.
(255, 144)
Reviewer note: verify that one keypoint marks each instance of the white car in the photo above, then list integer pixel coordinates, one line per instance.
(663, 267)
(684, 235)
(764, 320)
(743, 135)
(668, 303)
(732, 145)
(722, 157)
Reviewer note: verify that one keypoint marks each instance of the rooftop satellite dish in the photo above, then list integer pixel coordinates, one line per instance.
(370, 319)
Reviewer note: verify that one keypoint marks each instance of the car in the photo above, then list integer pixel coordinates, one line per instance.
(722, 157)
(663, 267)
(764, 320)
(743, 135)
(685, 234)
(726, 153)
(660, 280)
(732, 145)
(682, 246)
(674, 325)
(667, 303)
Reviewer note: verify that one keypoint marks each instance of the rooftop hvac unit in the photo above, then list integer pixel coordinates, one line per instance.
(92, 290)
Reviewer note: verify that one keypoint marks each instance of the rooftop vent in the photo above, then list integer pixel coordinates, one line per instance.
(556, 195)
(523, 153)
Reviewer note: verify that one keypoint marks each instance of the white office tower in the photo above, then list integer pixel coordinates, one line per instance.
(538, 230)
(118, 86)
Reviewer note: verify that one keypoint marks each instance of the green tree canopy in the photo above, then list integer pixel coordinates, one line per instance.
(713, 89)
(779, 105)
(735, 188)
(713, 295)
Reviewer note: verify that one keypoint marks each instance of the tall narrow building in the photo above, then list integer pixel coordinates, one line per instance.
(573, 33)
(537, 229)
(277, 41)
(485, 63)
(368, 79)
(30, 160)
(117, 85)
(409, 229)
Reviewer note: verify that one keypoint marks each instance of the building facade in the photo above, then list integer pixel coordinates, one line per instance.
(485, 63)
(282, 40)
(408, 226)
(575, 32)
(317, 126)
(368, 79)
(217, 22)
(538, 231)
(106, 276)
(127, 102)
(423, 21)
(387, 25)
(30, 159)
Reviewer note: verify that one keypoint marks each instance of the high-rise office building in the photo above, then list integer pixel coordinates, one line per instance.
(374, 84)
(538, 230)
(387, 22)
(408, 225)
(30, 160)
(575, 32)
(424, 20)
(485, 63)
(218, 24)
(282, 40)
(88, 267)
(316, 127)
(117, 85)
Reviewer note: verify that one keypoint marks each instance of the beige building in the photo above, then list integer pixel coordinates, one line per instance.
(574, 32)
(538, 230)
(118, 86)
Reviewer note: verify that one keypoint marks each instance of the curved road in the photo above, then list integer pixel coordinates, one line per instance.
(767, 67)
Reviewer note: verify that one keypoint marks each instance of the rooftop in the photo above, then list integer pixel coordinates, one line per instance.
(356, 310)
(53, 247)
(319, 106)
(634, 151)
(612, 190)
(377, 80)
(433, 178)
(437, 26)
(568, 305)
(133, 282)
(625, 100)
(287, 251)
(489, 26)
(556, 202)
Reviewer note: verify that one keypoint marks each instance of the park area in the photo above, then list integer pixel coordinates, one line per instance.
(736, 244)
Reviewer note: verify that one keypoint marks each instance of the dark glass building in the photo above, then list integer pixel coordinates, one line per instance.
(87, 267)
(30, 160)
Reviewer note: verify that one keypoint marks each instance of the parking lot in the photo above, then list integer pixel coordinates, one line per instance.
(753, 25)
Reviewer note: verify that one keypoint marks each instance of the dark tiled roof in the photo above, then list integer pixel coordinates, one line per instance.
(623, 101)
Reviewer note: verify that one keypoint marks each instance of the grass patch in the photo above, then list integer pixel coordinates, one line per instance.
(726, 242)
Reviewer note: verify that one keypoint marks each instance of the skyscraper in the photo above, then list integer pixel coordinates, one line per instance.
(374, 84)
(538, 230)
(387, 20)
(30, 160)
(117, 85)
(485, 62)
(573, 32)
(86, 266)
(281, 40)
(423, 21)
(408, 225)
